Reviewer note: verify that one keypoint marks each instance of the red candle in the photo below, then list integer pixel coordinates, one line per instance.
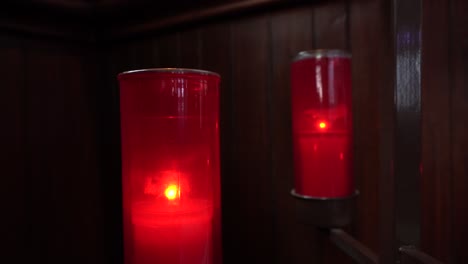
(322, 123)
(170, 166)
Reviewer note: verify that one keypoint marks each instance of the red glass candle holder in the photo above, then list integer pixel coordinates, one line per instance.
(322, 123)
(170, 166)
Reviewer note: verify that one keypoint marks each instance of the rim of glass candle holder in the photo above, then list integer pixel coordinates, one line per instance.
(322, 53)
(181, 71)
(307, 197)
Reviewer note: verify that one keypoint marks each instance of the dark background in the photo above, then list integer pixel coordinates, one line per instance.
(60, 152)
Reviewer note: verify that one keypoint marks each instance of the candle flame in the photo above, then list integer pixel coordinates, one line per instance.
(171, 192)
(322, 125)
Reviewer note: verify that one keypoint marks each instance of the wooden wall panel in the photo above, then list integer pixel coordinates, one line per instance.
(13, 188)
(190, 49)
(65, 224)
(459, 124)
(331, 25)
(366, 119)
(142, 54)
(216, 56)
(251, 140)
(44, 126)
(436, 180)
(168, 50)
(117, 60)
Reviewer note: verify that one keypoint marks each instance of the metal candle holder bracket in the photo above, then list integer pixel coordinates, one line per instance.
(324, 212)
(330, 214)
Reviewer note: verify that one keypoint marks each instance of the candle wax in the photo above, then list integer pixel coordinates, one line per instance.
(172, 233)
(323, 165)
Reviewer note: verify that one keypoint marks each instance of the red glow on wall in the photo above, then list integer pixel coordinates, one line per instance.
(322, 124)
(170, 167)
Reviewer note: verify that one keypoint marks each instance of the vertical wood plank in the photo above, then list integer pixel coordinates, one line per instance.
(168, 50)
(117, 60)
(436, 180)
(14, 225)
(216, 56)
(190, 49)
(81, 213)
(143, 54)
(365, 44)
(291, 33)
(330, 25)
(251, 142)
(371, 36)
(407, 121)
(45, 109)
(459, 121)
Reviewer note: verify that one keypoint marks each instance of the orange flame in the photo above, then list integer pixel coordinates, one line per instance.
(171, 192)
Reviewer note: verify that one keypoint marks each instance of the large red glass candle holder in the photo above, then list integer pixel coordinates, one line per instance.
(170, 166)
(322, 123)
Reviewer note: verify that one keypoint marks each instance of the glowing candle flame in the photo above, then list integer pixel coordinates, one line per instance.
(322, 125)
(171, 192)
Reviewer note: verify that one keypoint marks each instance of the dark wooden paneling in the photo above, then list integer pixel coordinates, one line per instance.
(436, 171)
(291, 32)
(190, 49)
(82, 213)
(459, 122)
(216, 55)
(14, 184)
(45, 114)
(371, 38)
(407, 121)
(331, 25)
(63, 185)
(368, 41)
(168, 50)
(184, 17)
(251, 142)
(142, 54)
(117, 60)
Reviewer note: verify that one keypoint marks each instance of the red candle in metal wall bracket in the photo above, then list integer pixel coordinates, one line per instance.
(322, 123)
(170, 166)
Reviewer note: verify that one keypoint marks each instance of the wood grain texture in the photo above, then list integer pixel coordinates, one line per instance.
(14, 197)
(251, 141)
(436, 180)
(168, 50)
(216, 56)
(60, 163)
(143, 54)
(369, 40)
(190, 49)
(459, 123)
(44, 127)
(117, 60)
(407, 121)
(331, 25)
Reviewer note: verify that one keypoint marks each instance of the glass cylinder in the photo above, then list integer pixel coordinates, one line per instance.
(170, 166)
(322, 123)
